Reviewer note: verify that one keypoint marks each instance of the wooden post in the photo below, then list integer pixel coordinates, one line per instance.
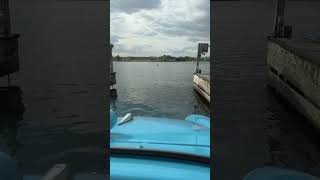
(9, 59)
(279, 19)
(4, 17)
(202, 49)
(111, 60)
(198, 58)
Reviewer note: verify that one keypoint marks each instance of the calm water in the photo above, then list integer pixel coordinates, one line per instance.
(61, 85)
(253, 127)
(159, 89)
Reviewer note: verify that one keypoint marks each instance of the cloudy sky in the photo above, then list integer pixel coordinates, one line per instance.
(158, 27)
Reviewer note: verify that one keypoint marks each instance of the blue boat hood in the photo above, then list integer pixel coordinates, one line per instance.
(190, 136)
(160, 148)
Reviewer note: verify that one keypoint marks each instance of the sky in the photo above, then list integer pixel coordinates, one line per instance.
(159, 27)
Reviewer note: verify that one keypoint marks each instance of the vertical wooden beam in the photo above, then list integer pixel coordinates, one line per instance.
(279, 18)
(111, 60)
(9, 60)
(4, 17)
(198, 58)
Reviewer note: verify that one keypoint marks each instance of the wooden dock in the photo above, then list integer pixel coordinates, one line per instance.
(9, 57)
(201, 83)
(294, 72)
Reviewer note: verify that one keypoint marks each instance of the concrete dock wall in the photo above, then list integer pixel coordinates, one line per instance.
(294, 71)
(201, 84)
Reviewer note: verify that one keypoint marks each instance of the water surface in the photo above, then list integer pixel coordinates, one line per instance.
(61, 87)
(158, 89)
(253, 127)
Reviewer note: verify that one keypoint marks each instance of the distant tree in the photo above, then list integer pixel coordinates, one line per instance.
(118, 58)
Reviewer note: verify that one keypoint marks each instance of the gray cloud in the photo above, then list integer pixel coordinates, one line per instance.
(150, 33)
(197, 26)
(115, 39)
(164, 27)
(181, 50)
(137, 50)
(131, 6)
(186, 28)
(197, 39)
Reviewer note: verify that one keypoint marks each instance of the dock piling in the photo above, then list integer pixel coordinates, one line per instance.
(280, 30)
(202, 49)
(9, 59)
(279, 18)
(113, 91)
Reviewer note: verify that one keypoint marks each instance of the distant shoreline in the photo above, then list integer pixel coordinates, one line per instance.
(157, 61)
(164, 58)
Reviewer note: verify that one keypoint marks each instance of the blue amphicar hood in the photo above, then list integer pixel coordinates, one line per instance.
(160, 148)
(163, 134)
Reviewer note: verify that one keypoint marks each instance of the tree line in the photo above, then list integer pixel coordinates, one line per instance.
(164, 58)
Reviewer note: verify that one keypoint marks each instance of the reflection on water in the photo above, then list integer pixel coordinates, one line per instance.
(292, 139)
(161, 89)
(11, 115)
(62, 77)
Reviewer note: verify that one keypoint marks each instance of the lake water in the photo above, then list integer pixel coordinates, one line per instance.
(253, 127)
(61, 85)
(158, 89)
